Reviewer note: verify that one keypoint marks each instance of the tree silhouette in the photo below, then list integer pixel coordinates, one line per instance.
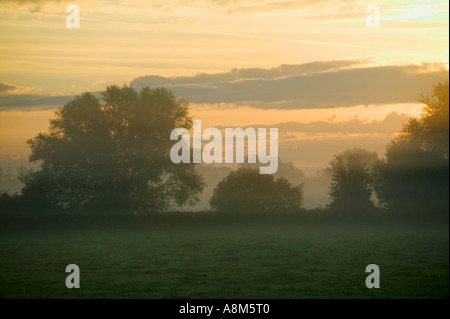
(245, 190)
(351, 185)
(414, 175)
(113, 153)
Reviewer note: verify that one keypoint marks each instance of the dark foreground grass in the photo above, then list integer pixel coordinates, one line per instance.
(203, 257)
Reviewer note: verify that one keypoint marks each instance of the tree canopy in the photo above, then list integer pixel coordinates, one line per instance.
(351, 186)
(113, 153)
(414, 175)
(245, 190)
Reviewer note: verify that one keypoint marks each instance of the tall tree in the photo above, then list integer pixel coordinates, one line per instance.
(114, 153)
(414, 175)
(351, 186)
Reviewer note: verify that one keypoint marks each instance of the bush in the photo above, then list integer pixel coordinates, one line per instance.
(245, 190)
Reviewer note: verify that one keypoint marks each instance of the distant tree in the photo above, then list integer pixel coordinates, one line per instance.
(113, 154)
(245, 190)
(351, 185)
(9, 203)
(414, 174)
(9, 181)
(9, 199)
(285, 170)
(288, 171)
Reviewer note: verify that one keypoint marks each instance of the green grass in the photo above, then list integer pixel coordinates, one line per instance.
(192, 258)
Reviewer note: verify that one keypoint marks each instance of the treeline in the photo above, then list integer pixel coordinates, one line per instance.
(112, 155)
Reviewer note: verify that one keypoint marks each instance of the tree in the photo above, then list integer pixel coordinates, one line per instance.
(114, 153)
(351, 186)
(245, 190)
(414, 175)
(432, 130)
(285, 170)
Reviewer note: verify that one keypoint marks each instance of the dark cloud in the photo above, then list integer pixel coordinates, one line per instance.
(323, 84)
(281, 71)
(33, 101)
(393, 122)
(320, 85)
(4, 87)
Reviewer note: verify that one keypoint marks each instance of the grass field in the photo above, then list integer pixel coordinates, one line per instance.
(203, 257)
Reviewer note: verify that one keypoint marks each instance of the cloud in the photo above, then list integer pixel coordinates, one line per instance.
(321, 84)
(10, 91)
(30, 5)
(24, 101)
(282, 71)
(391, 123)
(32, 102)
(5, 87)
(13, 96)
(314, 144)
(314, 85)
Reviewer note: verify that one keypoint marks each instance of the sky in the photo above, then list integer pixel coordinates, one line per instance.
(315, 69)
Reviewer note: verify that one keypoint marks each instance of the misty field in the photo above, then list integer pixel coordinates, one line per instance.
(206, 257)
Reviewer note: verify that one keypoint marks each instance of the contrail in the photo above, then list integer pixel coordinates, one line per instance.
(242, 35)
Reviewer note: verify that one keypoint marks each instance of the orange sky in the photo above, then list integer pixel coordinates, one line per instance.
(119, 41)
